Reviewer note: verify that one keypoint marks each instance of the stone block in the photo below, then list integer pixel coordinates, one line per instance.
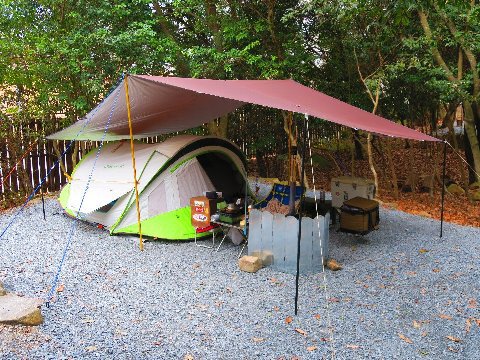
(476, 195)
(16, 309)
(250, 264)
(266, 257)
(455, 189)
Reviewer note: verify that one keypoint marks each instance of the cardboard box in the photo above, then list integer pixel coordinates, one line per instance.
(346, 187)
(202, 208)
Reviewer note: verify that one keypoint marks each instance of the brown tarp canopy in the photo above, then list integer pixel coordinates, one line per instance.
(161, 105)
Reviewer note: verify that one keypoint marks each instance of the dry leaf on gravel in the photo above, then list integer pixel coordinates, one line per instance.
(91, 348)
(352, 346)
(311, 348)
(257, 340)
(404, 338)
(416, 324)
(188, 357)
(453, 338)
(317, 316)
(288, 319)
(423, 251)
(444, 316)
(301, 332)
(468, 325)
(472, 303)
(60, 288)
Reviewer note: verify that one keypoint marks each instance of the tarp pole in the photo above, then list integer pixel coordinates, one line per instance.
(132, 150)
(443, 185)
(300, 210)
(43, 204)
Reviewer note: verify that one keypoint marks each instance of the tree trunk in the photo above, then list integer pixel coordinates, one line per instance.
(358, 145)
(371, 163)
(219, 127)
(470, 131)
(59, 155)
(392, 168)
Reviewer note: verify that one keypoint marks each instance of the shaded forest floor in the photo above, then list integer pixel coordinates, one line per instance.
(414, 162)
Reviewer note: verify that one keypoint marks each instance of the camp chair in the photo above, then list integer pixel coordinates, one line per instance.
(210, 228)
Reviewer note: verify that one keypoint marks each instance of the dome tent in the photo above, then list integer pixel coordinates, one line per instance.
(169, 174)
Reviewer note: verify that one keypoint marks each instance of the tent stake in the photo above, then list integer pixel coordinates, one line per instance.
(443, 185)
(300, 210)
(132, 149)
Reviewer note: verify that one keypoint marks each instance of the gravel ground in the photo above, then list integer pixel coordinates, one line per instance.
(403, 293)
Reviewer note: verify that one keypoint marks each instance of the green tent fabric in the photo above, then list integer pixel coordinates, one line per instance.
(169, 174)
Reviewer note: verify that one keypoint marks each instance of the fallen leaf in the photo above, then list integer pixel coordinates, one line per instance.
(91, 348)
(477, 321)
(352, 346)
(411, 273)
(87, 321)
(468, 325)
(452, 349)
(301, 332)
(317, 316)
(436, 270)
(188, 357)
(60, 288)
(288, 319)
(453, 338)
(423, 251)
(472, 303)
(444, 316)
(311, 348)
(424, 334)
(324, 339)
(404, 338)
(258, 339)
(416, 324)
(334, 299)
(276, 308)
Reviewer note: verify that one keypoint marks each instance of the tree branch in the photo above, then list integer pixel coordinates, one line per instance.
(436, 54)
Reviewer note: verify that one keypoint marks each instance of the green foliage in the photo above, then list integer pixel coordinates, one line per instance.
(61, 57)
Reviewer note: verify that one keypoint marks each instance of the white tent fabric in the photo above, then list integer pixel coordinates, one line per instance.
(110, 179)
(110, 175)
